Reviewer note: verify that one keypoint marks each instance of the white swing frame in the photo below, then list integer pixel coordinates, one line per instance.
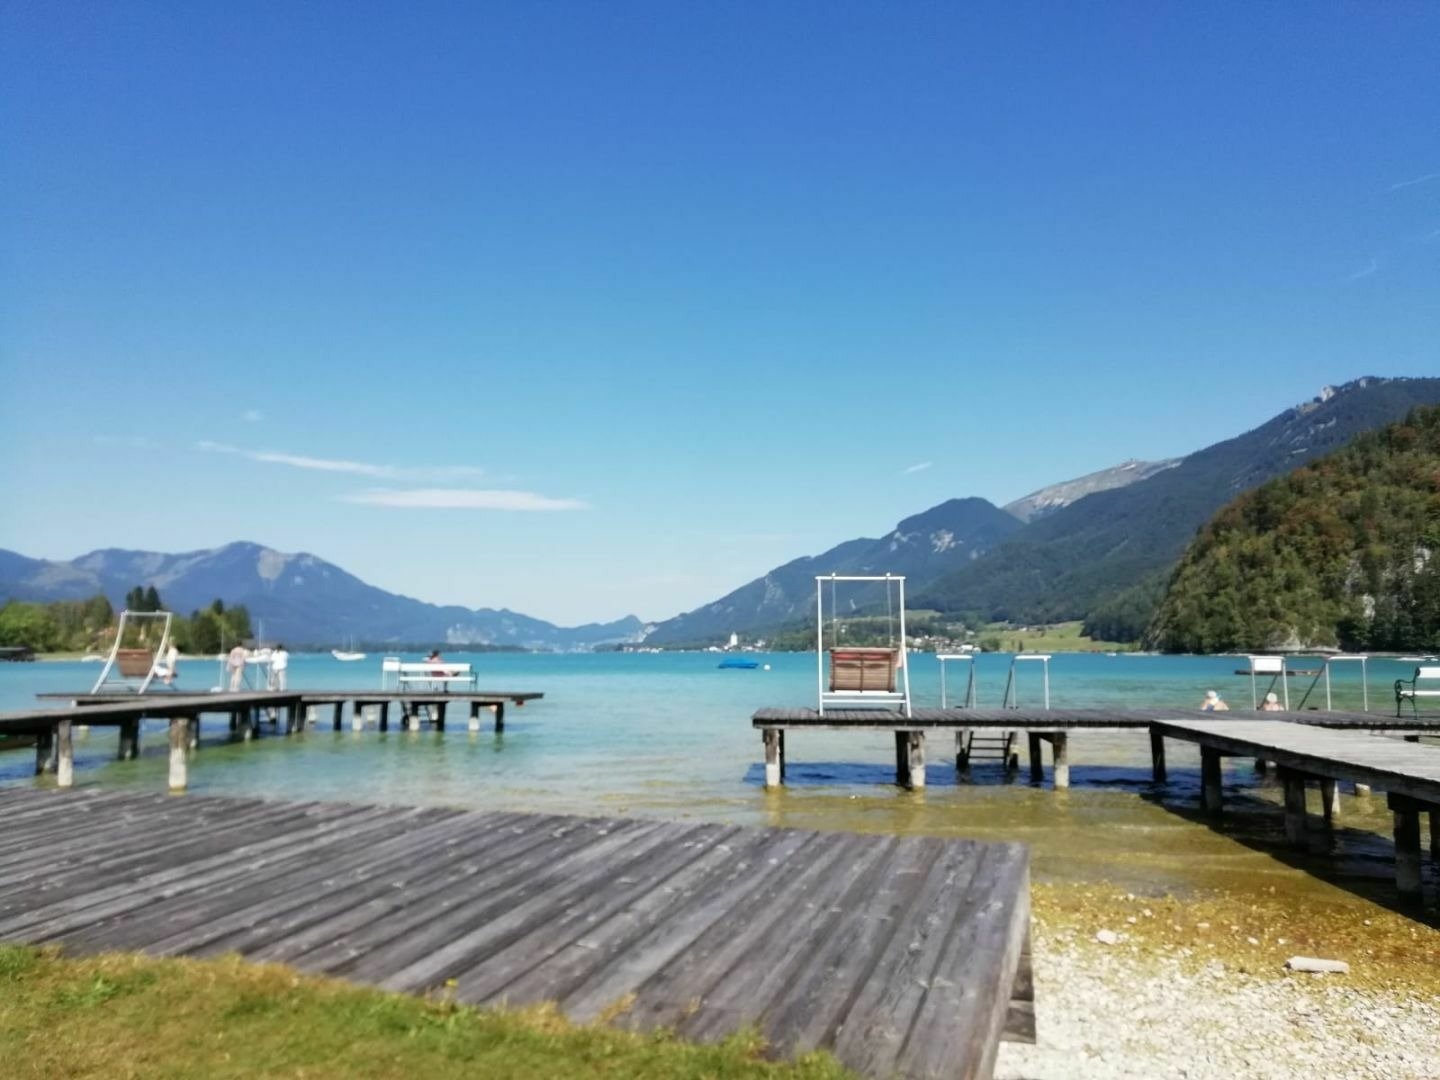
(864, 699)
(132, 683)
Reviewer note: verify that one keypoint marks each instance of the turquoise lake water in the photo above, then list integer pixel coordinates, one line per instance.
(669, 735)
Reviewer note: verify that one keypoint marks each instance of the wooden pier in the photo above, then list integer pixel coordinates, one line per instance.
(290, 711)
(1408, 774)
(904, 956)
(1039, 726)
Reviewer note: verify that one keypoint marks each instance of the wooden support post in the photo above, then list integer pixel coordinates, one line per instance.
(234, 721)
(192, 734)
(1329, 801)
(129, 739)
(1407, 848)
(1060, 752)
(902, 759)
(1037, 762)
(357, 716)
(772, 757)
(962, 752)
(339, 714)
(1295, 817)
(1157, 755)
(1260, 766)
(44, 751)
(782, 754)
(384, 716)
(500, 716)
(915, 759)
(440, 716)
(412, 718)
(248, 726)
(1210, 790)
(474, 716)
(179, 736)
(64, 755)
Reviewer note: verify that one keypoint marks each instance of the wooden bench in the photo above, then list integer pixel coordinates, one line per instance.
(1412, 689)
(427, 673)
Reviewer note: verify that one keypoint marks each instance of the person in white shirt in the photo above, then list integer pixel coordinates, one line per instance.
(279, 666)
(236, 663)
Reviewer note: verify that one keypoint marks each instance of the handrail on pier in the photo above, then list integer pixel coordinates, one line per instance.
(1325, 672)
(970, 698)
(1012, 688)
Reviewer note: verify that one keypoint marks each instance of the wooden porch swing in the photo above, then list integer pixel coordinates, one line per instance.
(863, 676)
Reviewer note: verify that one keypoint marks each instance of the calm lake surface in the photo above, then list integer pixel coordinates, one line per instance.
(669, 735)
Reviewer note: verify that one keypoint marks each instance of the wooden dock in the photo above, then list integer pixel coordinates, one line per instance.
(290, 711)
(1407, 773)
(1039, 726)
(904, 956)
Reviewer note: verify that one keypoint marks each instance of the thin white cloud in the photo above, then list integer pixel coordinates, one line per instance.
(344, 466)
(1368, 270)
(462, 499)
(252, 416)
(1418, 180)
(919, 466)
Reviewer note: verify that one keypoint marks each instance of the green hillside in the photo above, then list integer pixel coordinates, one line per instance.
(1344, 551)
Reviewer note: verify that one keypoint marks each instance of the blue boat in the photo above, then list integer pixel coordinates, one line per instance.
(736, 663)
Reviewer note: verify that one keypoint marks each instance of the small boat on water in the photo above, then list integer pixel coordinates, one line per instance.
(734, 663)
(341, 654)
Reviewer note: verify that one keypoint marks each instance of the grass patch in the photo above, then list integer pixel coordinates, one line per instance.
(1053, 638)
(124, 1015)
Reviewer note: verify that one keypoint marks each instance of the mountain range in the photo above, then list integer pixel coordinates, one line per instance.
(1061, 552)
(299, 598)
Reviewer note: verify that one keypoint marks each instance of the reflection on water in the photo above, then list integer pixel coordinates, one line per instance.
(670, 736)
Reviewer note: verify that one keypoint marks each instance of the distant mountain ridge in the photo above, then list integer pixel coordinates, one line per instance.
(1062, 565)
(300, 598)
(921, 547)
(1057, 496)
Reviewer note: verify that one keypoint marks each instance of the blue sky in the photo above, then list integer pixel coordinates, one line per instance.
(585, 309)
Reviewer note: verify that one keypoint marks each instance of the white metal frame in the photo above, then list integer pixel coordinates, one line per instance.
(970, 698)
(860, 698)
(128, 682)
(1325, 672)
(1012, 685)
(1275, 667)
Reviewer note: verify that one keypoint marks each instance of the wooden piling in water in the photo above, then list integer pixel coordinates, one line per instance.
(1407, 847)
(129, 740)
(1157, 755)
(64, 755)
(1037, 763)
(1060, 752)
(772, 757)
(1210, 785)
(179, 738)
(1295, 813)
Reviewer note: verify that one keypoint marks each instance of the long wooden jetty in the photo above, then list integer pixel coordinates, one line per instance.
(53, 728)
(904, 956)
(1039, 726)
(1408, 774)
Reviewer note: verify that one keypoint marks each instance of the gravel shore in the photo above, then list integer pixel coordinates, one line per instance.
(1160, 1003)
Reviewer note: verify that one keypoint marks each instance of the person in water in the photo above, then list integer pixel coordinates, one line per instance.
(1271, 703)
(1213, 702)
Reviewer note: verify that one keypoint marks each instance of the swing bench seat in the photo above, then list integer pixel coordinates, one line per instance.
(135, 663)
(863, 670)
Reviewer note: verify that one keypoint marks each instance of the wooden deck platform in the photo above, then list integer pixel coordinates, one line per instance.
(1407, 773)
(246, 711)
(904, 956)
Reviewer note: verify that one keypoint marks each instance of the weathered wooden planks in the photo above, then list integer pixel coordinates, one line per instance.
(901, 955)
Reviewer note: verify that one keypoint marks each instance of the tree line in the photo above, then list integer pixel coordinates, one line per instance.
(89, 625)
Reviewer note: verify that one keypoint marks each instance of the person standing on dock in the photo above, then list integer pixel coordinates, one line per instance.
(279, 668)
(236, 663)
(172, 658)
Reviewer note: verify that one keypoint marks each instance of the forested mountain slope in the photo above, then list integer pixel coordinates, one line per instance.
(1344, 551)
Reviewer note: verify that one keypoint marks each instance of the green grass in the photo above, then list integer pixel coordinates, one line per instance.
(123, 1015)
(1056, 637)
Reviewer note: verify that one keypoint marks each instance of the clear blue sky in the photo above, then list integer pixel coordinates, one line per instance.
(665, 294)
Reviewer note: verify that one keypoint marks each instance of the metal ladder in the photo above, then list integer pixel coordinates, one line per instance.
(992, 746)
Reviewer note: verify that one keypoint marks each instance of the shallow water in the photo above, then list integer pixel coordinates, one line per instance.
(669, 735)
